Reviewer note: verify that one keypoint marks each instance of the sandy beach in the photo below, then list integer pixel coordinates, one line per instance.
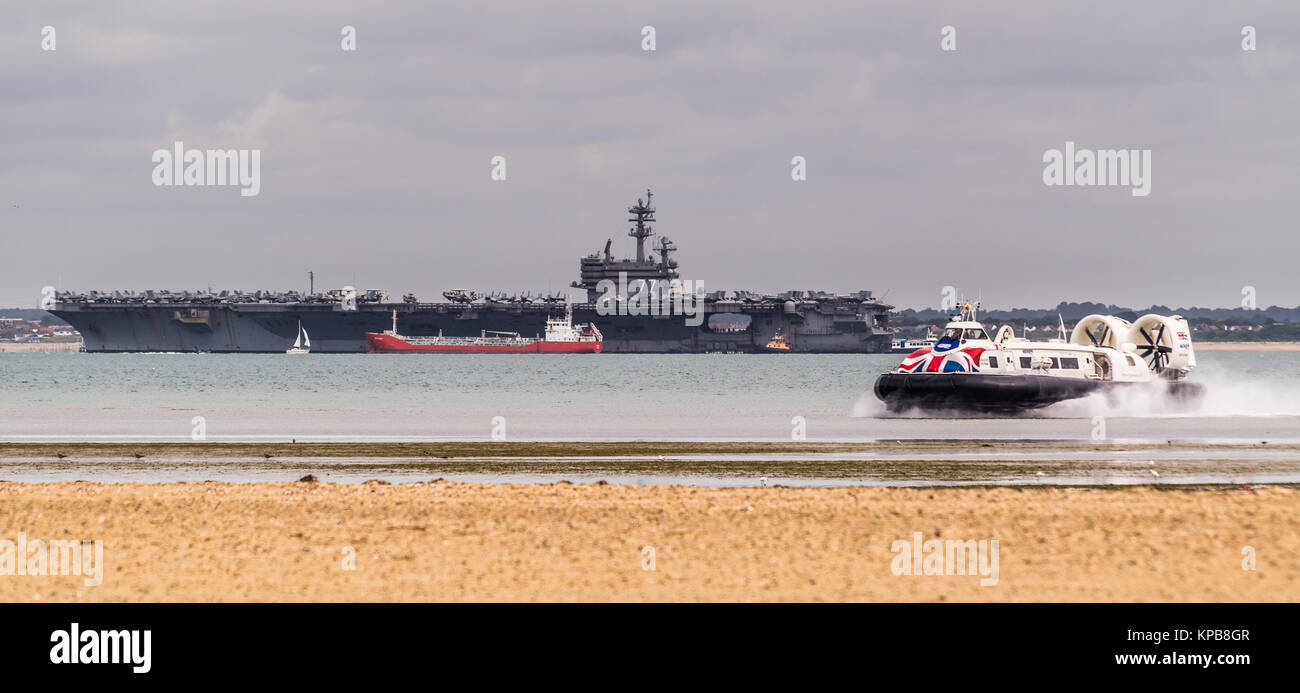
(444, 541)
(1263, 347)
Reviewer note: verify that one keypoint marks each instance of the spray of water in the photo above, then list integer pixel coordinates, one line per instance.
(1228, 392)
(869, 407)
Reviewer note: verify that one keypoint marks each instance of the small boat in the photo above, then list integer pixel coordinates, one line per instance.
(904, 345)
(778, 343)
(301, 345)
(966, 369)
(562, 337)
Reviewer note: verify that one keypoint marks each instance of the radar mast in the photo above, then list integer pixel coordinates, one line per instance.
(644, 214)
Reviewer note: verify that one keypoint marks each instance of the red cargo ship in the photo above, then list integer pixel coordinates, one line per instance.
(562, 337)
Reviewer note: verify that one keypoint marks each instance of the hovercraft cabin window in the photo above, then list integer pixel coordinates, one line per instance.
(1058, 362)
(993, 362)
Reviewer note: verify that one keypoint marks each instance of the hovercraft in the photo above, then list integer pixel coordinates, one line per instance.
(967, 369)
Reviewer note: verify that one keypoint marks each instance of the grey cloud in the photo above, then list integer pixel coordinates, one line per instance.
(924, 167)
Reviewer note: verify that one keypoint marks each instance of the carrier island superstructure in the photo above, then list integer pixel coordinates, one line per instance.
(267, 322)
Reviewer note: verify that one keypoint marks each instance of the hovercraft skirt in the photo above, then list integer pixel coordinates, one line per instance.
(991, 392)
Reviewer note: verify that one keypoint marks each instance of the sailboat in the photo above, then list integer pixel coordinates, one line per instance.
(301, 345)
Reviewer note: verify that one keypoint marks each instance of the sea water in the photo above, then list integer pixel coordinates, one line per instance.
(359, 397)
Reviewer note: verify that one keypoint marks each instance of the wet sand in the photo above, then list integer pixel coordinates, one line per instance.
(919, 463)
(446, 541)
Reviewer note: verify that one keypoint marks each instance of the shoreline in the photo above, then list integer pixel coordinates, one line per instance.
(40, 347)
(1254, 347)
(903, 463)
(482, 449)
(1208, 346)
(447, 541)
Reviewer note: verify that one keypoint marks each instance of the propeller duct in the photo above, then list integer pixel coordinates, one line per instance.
(1101, 330)
(1164, 342)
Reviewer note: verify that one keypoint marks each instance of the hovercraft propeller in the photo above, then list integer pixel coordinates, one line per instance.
(1099, 337)
(1153, 350)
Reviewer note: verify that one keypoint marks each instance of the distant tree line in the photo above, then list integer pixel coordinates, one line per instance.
(1272, 324)
(33, 314)
(1071, 312)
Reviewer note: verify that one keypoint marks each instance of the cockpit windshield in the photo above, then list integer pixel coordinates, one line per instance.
(957, 333)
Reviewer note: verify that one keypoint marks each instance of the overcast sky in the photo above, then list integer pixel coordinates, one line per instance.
(924, 166)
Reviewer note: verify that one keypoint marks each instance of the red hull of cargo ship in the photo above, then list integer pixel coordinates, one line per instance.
(388, 344)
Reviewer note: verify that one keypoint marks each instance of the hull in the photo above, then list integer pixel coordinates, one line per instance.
(988, 392)
(388, 344)
(271, 328)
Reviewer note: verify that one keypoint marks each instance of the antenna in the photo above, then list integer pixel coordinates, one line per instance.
(311, 280)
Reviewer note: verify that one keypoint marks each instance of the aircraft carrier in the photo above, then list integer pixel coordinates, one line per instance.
(337, 320)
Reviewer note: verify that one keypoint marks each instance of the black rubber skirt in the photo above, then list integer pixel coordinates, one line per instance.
(989, 392)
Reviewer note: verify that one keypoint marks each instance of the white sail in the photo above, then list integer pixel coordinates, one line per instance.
(297, 343)
(306, 341)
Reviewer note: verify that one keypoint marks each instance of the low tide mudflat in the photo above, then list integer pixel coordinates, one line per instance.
(879, 463)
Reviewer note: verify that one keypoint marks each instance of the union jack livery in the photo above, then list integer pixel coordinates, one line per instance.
(933, 360)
